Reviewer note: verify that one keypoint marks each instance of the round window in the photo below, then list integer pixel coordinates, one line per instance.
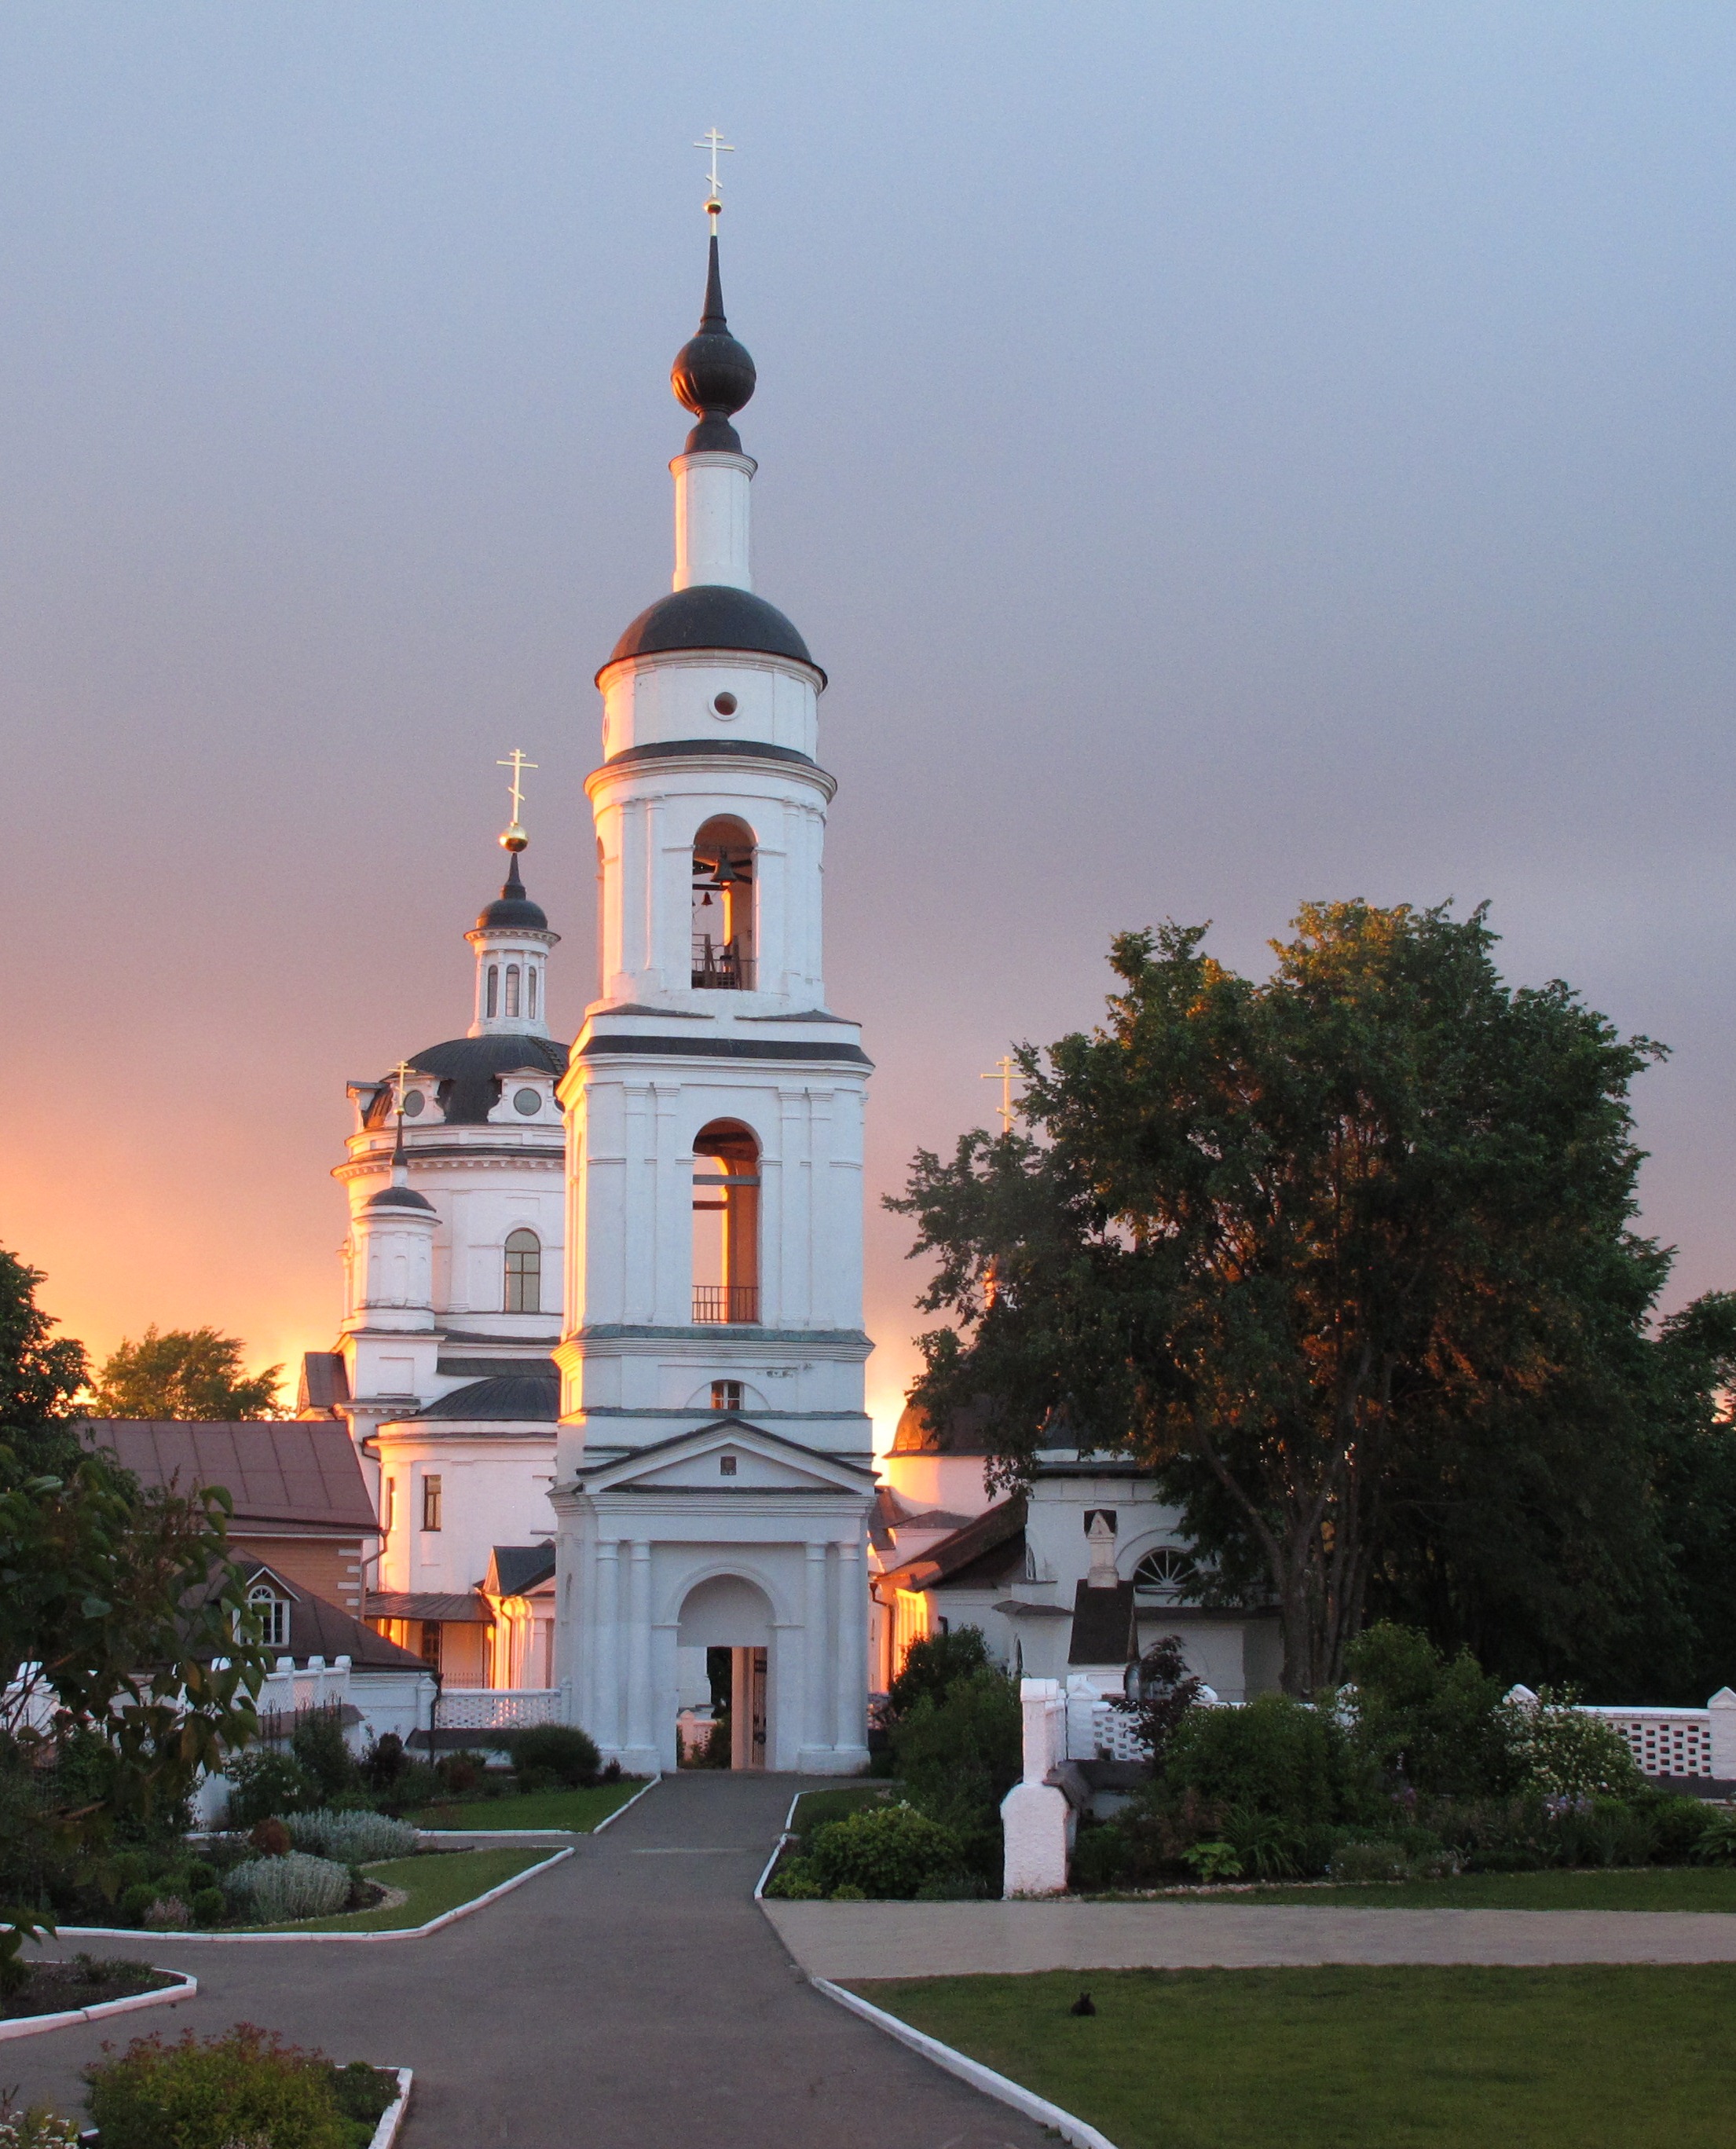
(526, 1101)
(413, 1104)
(726, 705)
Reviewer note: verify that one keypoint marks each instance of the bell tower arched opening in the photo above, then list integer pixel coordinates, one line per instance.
(726, 1223)
(723, 906)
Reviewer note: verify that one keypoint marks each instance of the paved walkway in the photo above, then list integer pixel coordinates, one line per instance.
(940, 1939)
(634, 1997)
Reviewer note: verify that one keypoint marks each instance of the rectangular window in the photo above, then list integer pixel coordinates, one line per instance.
(430, 1643)
(431, 1503)
(725, 1395)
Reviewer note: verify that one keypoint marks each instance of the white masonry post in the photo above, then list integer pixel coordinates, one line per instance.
(1033, 1813)
(1722, 1709)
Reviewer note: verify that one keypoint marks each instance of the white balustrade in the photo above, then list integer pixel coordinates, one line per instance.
(497, 1708)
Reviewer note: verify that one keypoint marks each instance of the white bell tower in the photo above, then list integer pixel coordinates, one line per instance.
(715, 1475)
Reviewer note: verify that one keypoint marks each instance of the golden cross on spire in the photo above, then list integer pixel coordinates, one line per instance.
(1005, 1071)
(713, 141)
(514, 838)
(402, 1071)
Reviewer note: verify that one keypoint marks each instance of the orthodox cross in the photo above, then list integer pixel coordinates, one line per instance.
(518, 765)
(402, 1071)
(713, 141)
(1005, 1071)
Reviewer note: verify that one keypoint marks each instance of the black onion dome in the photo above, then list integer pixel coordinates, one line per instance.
(513, 909)
(399, 1197)
(711, 615)
(713, 374)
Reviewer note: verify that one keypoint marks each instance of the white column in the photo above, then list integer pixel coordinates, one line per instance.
(849, 1653)
(711, 518)
(816, 1649)
(607, 1729)
(638, 1693)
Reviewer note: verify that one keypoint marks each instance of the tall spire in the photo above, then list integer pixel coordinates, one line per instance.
(713, 376)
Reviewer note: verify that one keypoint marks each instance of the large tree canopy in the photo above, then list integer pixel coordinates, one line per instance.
(183, 1373)
(1347, 1254)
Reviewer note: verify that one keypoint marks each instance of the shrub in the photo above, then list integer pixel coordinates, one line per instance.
(1369, 1861)
(38, 2128)
(271, 1838)
(460, 1774)
(1212, 1861)
(1677, 1822)
(1167, 1691)
(209, 1906)
(562, 1749)
(959, 1756)
(188, 2095)
(794, 1882)
(1275, 1756)
(1439, 1724)
(168, 1913)
(265, 1782)
(383, 1763)
(1563, 1753)
(198, 1873)
(276, 1890)
(1717, 1842)
(932, 1665)
(318, 1743)
(352, 1839)
(136, 1901)
(363, 2092)
(886, 1852)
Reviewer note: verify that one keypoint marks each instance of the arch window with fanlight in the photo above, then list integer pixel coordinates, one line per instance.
(725, 1223)
(491, 995)
(512, 991)
(270, 1608)
(524, 1272)
(1167, 1572)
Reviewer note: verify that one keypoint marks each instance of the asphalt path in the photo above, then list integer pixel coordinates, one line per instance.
(634, 1996)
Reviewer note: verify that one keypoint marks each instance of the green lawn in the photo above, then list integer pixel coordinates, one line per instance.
(1593, 2058)
(435, 1881)
(577, 1811)
(1640, 1888)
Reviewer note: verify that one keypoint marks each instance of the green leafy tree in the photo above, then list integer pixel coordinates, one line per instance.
(1439, 1723)
(183, 1373)
(1318, 1248)
(124, 1633)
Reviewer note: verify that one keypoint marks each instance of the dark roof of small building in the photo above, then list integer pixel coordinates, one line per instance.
(990, 1548)
(451, 1607)
(325, 1381)
(285, 1474)
(512, 910)
(711, 615)
(469, 1071)
(515, 1569)
(531, 1396)
(965, 1432)
(318, 1628)
(1105, 1627)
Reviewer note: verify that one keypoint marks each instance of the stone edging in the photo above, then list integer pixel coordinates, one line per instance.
(392, 2120)
(973, 2072)
(609, 1820)
(399, 1933)
(28, 2026)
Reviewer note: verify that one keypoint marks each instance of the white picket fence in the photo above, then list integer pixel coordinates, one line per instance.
(496, 1708)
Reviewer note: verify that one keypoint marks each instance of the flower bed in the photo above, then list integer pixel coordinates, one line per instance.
(58, 1988)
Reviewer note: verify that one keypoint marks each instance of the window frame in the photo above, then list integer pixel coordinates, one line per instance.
(521, 1287)
(433, 1501)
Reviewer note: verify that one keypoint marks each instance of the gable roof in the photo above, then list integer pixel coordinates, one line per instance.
(1105, 1630)
(701, 1439)
(284, 1475)
(514, 1570)
(318, 1628)
(989, 1549)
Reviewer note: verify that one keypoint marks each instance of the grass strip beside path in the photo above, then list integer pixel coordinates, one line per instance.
(1349, 2058)
(433, 1882)
(1637, 1888)
(578, 1812)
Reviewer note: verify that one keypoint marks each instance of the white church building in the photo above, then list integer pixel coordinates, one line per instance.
(602, 1347)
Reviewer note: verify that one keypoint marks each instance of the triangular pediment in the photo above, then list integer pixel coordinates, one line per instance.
(699, 1462)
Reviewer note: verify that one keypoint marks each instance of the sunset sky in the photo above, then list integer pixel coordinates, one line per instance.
(1222, 455)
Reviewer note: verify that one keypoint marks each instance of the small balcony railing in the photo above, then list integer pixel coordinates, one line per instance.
(721, 969)
(725, 1302)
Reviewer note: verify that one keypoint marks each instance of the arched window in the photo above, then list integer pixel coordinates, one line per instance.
(1169, 1572)
(725, 1223)
(531, 991)
(492, 1005)
(723, 906)
(524, 1272)
(511, 990)
(272, 1611)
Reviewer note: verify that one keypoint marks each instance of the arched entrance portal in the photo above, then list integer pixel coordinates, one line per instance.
(730, 1613)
